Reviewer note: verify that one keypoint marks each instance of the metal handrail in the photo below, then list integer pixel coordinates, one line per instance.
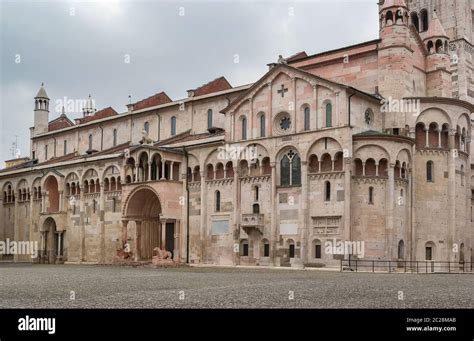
(406, 265)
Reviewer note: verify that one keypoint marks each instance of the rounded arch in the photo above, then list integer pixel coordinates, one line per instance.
(111, 170)
(324, 145)
(404, 155)
(143, 201)
(371, 150)
(433, 114)
(463, 121)
(51, 186)
(285, 149)
(22, 184)
(90, 173)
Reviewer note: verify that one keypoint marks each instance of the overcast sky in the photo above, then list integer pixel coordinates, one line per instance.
(79, 48)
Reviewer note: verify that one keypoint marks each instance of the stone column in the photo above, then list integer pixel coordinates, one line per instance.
(315, 111)
(163, 163)
(427, 135)
(163, 235)
(377, 169)
(138, 239)
(149, 172)
(203, 227)
(184, 215)
(101, 223)
(347, 198)
(236, 204)
(270, 109)
(171, 170)
(124, 232)
(451, 195)
(60, 235)
(439, 137)
(16, 223)
(274, 230)
(251, 118)
(43, 202)
(30, 218)
(82, 232)
(363, 168)
(177, 228)
(390, 210)
(137, 172)
(295, 113)
(61, 201)
(304, 213)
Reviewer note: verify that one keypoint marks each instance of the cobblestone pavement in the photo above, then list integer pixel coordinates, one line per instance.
(50, 286)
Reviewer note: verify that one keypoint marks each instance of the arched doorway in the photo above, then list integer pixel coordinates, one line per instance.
(52, 242)
(144, 208)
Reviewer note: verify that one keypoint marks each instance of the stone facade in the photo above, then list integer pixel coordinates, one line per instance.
(369, 143)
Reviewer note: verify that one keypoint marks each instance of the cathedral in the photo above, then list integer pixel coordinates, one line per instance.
(366, 144)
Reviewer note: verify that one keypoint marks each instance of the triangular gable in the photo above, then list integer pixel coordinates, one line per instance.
(275, 72)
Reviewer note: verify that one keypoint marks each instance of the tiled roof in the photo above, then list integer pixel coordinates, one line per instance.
(218, 84)
(187, 136)
(157, 99)
(297, 56)
(107, 112)
(59, 123)
(435, 29)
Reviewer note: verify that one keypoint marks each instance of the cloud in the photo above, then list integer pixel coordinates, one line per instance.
(81, 54)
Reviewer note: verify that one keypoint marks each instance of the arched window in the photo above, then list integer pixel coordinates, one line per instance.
(256, 189)
(90, 141)
(429, 171)
(424, 20)
(262, 125)
(371, 195)
(328, 115)
(115, 137)
(218, 201)
(65, 147)
(429, 251)
(146, 127)
(244, 128)
(462, 175)
(306, 118)
(46, 152)
(173, 126)
(209, 119)
(290, 169)
(327, 191)
(256, 208)
(401, 250)
(415, 21)
(389, 18)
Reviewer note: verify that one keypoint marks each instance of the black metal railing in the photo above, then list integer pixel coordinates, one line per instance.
(426, 266)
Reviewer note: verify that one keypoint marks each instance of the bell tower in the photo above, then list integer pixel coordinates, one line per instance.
(41, 119)
(456, 17)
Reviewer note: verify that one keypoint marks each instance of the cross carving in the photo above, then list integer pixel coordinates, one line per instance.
(282, 90)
